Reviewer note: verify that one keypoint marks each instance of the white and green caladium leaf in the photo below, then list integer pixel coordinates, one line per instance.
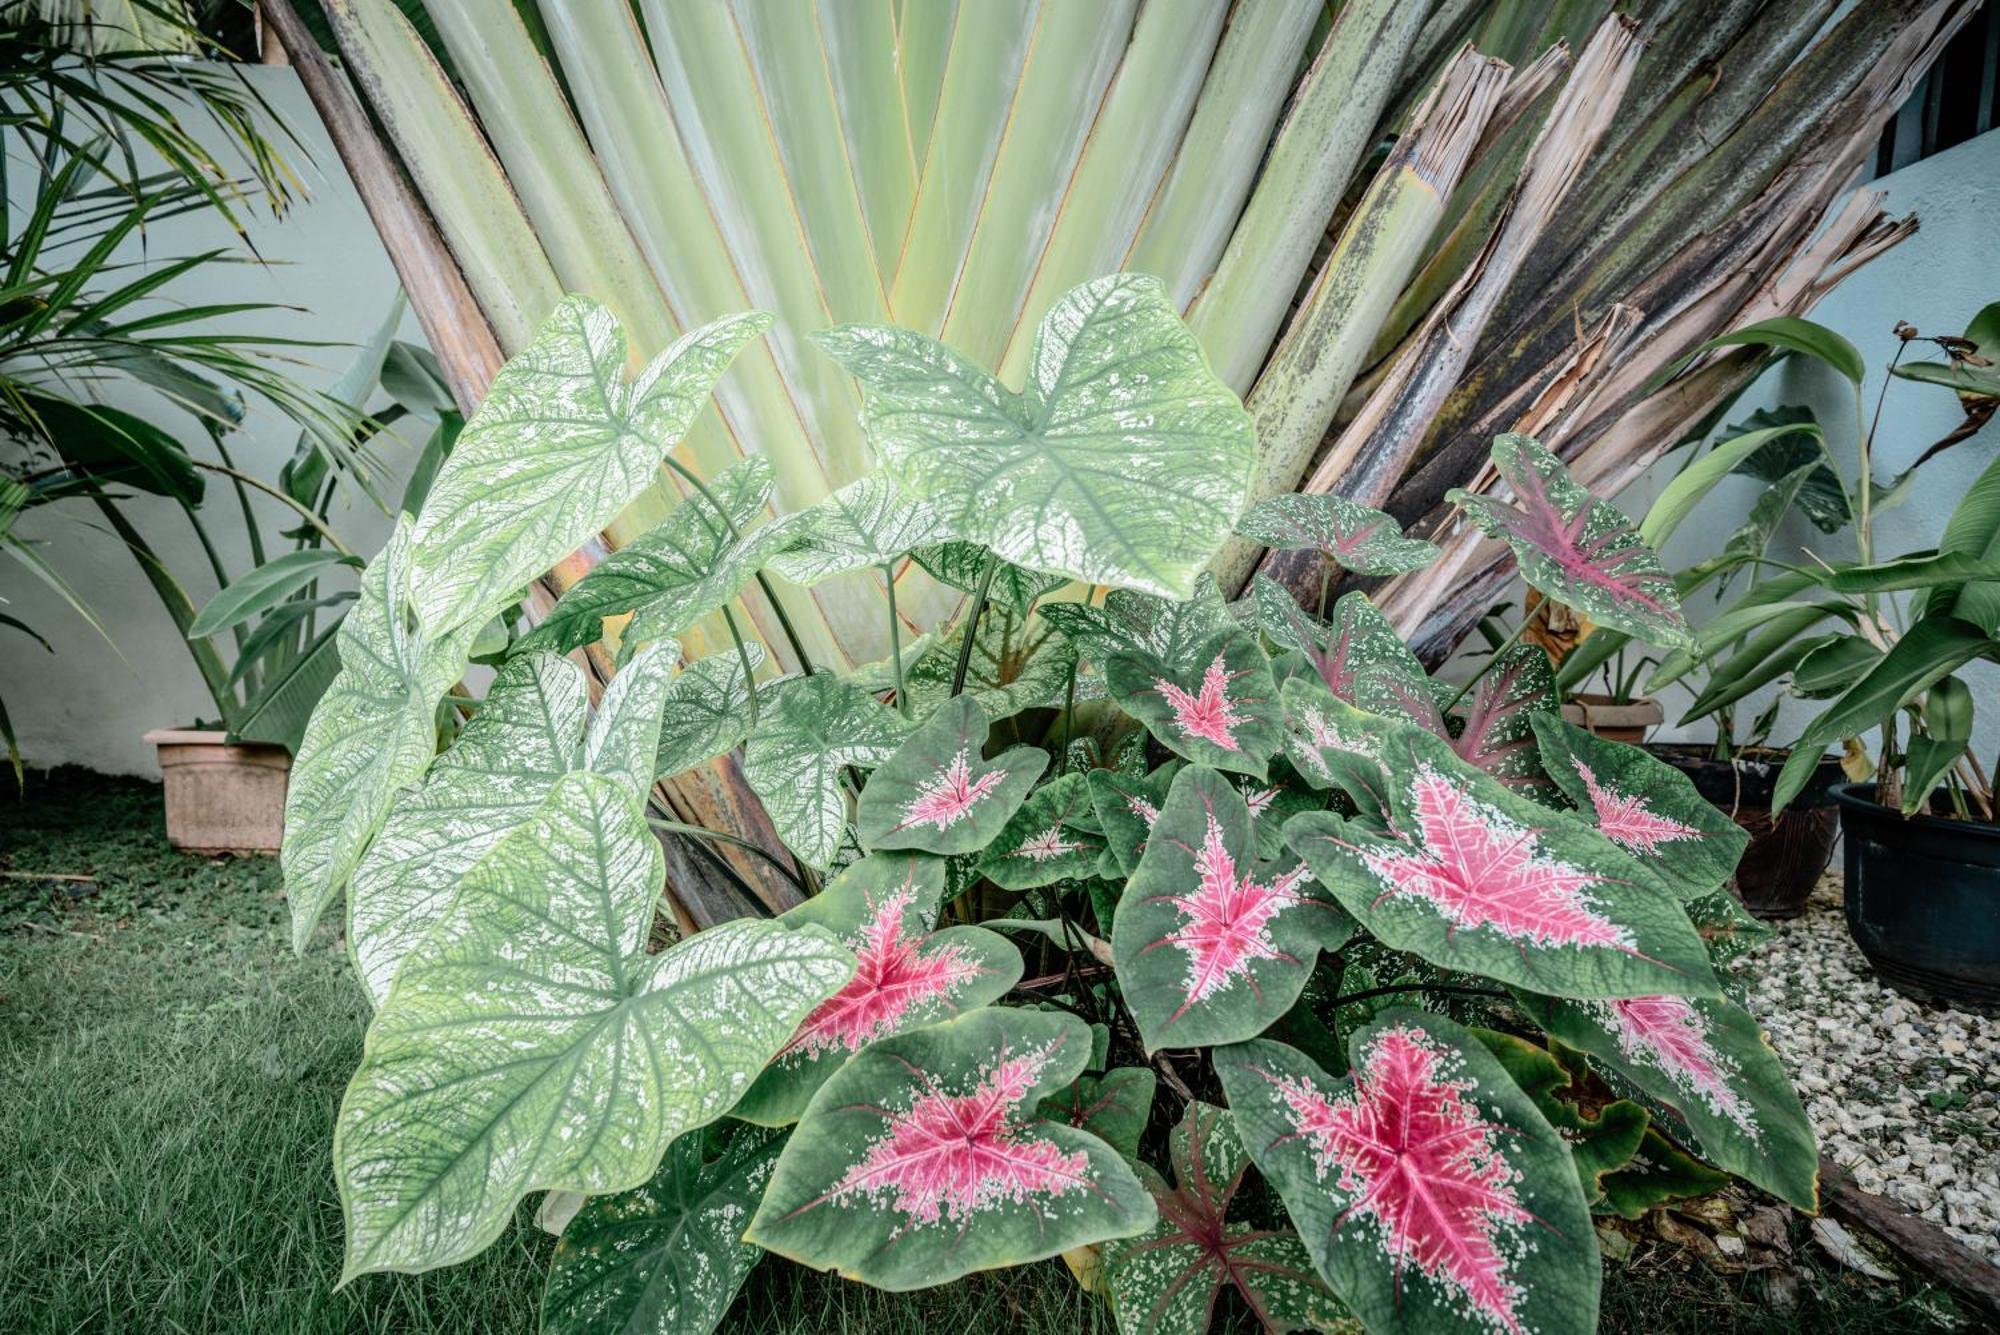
(938, 794)
(1220, 711)
(1354, 537)
(1125, 461)
(923, 1159)
(1173, 632)
(1474, 877)
(666, 1258)
(1645, 806)
(1126, 806)
(372, 732)
(1211, 946)
(495, 776)
(869, 522)
(1497, 732)
(1726, 928)
(962, 566)
(811, 728)
(1166, 1281)
(1429, 1191)
(676, 572)
(883, 908)
(1041, 845)
(1575, 548)
(1016, 665)
(624, 738)
(560, 445)
(1705, 1062)
(1113, 1106)
(530, 1043)
(707, 710)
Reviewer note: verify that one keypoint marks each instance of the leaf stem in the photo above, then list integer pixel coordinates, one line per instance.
(735, 533)
(972, 625)
(895, 638)
(743, 655)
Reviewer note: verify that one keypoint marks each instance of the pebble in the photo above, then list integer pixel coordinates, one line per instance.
(1906, 1096)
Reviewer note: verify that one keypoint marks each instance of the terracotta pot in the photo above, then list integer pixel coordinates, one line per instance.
(222, 798)
(1787, 852)
(1614, 722)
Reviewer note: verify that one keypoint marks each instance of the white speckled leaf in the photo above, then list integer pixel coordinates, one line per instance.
(809, 730)
(373, 731)
(1357, 654)
(1353, 536)
(1168, 630)
(1040, 846)
(868, 522)
(1125, 461)
(624, 738)
(962, 565)
(496, 775)
(707, 711)
(666, 1258)
(531, 1044)
(560, 445)
(1014, 666)
(674, 573)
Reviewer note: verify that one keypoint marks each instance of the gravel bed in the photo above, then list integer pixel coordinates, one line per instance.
(1905, 1096)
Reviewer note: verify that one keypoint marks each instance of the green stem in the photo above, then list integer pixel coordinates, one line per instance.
(972, 625)
(895, 638)
(1069, 709)
(1494, 657)
(1325, 582)
(743, 655)
(735, 533)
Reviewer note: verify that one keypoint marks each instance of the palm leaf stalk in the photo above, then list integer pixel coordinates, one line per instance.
(952, 167)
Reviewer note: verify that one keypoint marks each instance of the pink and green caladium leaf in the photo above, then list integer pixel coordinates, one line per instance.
(1124, 461)
(1210, 945)
(1647, 807)
(530, 1043)
(1429, 1191)
(707, 710)
(1705, 1061)
(1575, 548)
(1113, 1106)
(1353, 536)
(1221, 709)
(1474, 877)
(1173, 632)
(1357, 655)
(938, 794)
(666, 1258)
(924, 1159)
(1273, 800)
(1126, 805)
(1333, 744)
(810, 730)
(1498, 727)
(1041, 845)
(1166, 1281)
(884, 909)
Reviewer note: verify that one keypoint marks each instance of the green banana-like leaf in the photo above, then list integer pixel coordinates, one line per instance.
(372, 732)
(530, 1043)
(1354, 537)
(884, 908)
(495, 776)
(1211, 946)
(939, 794)
(869, 522)
(1471, 876)
(675, 573)
(1125, 462)
(1042, 844)
(922, 1159)
(812, 729)
(561, 443)
(1431, 1193)
(707, 711)
(1221, 710)
(666, 1258)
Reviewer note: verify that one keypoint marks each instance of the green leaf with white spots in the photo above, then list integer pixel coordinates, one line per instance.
(1219, 709)
(1210, 945)
(624, 738)
(1167, 1281)
(1125, 461)
(869, 522)
(1496, 731)
(707, 711)
(1016, 665)
(531, 1044)
(884, 909)
(495, 776)
(1353, 536)
(372, 732)
(676, 572)
(1113, 1106)
(1126, 806)
(1169, 630)
(962, 566)
(812, 728)
(939, 794)
(666, 1258)
(1040, 846)
(923, 1159)
(1357, 655)
(1725, 927)
(561, 443)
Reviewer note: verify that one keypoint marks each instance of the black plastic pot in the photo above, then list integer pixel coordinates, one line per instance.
(1786, 854)
(1923, 900)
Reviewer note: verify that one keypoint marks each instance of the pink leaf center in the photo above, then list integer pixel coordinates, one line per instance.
(950, 795)
(1227, 919)
(894, 973)
(950, 1156)
(1628, 821)
(1209, 716)
(1048, 845)
(1411, 1153)
(1668, 1033)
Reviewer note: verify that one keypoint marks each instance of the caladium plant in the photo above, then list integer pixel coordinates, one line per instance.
(1123, 885)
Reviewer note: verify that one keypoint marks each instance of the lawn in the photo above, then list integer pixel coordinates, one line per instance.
(172, 1072)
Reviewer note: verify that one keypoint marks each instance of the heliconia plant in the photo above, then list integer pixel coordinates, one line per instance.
(1124, 923)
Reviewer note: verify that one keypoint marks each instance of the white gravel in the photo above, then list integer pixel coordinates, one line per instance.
(1905, 1096)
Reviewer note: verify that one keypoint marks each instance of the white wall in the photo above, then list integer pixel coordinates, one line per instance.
(1935, 280)
(84, 704)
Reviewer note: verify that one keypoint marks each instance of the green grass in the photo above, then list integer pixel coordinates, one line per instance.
(171, 1073)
